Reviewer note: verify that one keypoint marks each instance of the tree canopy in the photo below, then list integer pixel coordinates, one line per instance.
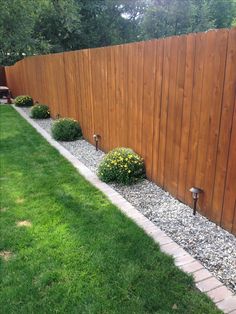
(29, 27)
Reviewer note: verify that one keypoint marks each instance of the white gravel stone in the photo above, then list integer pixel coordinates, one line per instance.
(214, 247)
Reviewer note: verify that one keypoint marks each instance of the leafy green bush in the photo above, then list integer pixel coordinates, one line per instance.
(121, 165)
(24, 101)
(66, 129)
(40, 112)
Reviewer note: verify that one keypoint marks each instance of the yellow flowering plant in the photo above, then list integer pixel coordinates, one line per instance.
(121, 165)
(24, 101)
(40, 112)
(66, 129)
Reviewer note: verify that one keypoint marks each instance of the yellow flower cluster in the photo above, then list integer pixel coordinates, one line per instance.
(24, 101)
(124, 162)
(66, 119)
(121, 164)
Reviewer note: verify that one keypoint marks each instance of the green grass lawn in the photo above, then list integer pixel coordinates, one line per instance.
(81, 255)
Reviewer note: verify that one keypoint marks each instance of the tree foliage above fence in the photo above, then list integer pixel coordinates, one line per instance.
(29, 27)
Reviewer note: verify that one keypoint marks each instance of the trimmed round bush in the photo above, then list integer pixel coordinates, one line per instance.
(24, 101)
(121, 165)
(40, 112)
(66, 129)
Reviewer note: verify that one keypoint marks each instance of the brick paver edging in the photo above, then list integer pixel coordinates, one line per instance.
(205, 281)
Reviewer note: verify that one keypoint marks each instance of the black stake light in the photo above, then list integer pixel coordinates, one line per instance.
(96, 138)
(195, 194)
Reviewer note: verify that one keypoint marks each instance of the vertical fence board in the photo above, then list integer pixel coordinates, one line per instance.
(139, 93)
(131, 99)
(200, 56)
(229, 206)
(88, 95)
(164, 110)
(70, 81)
(149, 74)
(218, 75)
(178, 112)
(157, 108)
(111, 88)
(122, 110)
(78, 76)
(205, 118)
(225, 128)
(171, 119)
(186, 115)
(115, 118)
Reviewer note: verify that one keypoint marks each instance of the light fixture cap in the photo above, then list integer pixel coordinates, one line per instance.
(195, 190)
(96, 135)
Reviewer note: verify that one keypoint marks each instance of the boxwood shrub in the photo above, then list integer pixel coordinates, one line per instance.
(40, 112)
(66, 129)
(24, 101)
(121, 165)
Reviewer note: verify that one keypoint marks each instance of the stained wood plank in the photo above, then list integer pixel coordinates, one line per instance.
(105, 104)
(139, 93)
(123, 63)
(228, 214)
(111, 89)
(200, 56)
(70, 80)
(116, 119)
(119, 96)
(205, 119)
(186, 116)
(178, 114)
(234, 222)
(97, 77)
(157, 108)
(52, 89)
(131, 93)
(149, 82)
(171, 118)
(88, 98)
(225, 128)
(215, 115)
(80, 91)
(164, 110)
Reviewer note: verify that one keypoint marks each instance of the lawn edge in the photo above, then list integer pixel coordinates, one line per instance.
(205, 281)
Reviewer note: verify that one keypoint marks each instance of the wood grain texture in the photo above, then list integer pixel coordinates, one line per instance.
(186, 115)
(172, 100)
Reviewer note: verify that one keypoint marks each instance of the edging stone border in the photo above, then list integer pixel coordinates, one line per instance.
(205, 281)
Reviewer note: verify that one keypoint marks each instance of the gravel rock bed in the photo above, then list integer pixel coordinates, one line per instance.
(214, 247)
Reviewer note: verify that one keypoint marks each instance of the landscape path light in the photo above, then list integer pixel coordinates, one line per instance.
(96, 138)
(195, 194)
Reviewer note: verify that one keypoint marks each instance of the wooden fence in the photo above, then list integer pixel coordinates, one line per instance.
(172, 100)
